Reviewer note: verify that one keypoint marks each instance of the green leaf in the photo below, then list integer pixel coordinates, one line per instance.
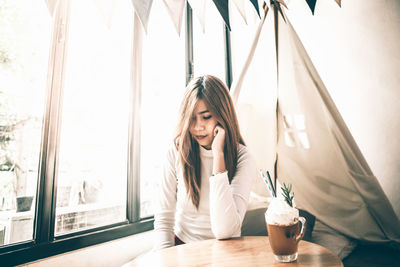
(286, 192)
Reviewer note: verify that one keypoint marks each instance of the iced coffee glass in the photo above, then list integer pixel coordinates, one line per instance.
(285, 230)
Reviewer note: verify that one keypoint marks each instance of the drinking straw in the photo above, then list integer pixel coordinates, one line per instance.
(267, 183)
(273, 184)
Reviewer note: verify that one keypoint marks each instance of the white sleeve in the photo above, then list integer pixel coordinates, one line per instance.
(164, 217)
(228, 202)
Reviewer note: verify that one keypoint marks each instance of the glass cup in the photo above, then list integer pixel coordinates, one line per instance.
(284, 239)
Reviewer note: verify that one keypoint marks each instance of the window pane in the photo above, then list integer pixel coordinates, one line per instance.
(25, 30)
(208, 46)
(163, 87)
(92, 165)
(242, 36)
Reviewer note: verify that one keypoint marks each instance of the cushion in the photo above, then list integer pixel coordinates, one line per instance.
(327, 237)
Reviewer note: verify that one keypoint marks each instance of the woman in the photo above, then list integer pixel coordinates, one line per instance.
(208, 172)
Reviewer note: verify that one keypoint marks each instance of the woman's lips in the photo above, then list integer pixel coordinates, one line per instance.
(200, 137)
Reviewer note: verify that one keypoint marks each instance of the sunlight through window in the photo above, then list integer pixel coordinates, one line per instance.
(25, 31)
(92, 171)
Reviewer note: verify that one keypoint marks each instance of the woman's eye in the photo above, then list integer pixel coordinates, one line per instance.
(207, 117)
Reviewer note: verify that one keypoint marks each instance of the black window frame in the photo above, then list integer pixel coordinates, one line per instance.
(44, 243)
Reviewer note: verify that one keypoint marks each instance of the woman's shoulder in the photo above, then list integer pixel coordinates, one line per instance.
(242, 150)
(244, 153)
(172, 155)
(172, 150)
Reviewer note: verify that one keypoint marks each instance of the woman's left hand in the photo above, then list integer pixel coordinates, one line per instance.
(219, 139)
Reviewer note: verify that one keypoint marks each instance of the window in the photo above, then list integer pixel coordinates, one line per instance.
(68, 124)
(65, 127)
(162, 91)
(93, 145)
(208, 46)
(25, 30)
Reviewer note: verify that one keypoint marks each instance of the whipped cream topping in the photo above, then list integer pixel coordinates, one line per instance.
(279, 212)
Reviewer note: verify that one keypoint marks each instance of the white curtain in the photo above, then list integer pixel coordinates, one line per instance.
(332, 178)
(315, 150)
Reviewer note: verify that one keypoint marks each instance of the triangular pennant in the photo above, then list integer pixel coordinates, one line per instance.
(278, 2)
(255, 4)
(106, 8)
(51, 6)
(142, 9)
(199, 9)
(311, 4)
(339, 2)
(223, 8)
(241, 8)
(279, 8)
(175, 10)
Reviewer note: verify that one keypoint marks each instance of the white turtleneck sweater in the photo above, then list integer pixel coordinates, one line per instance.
(222, 205)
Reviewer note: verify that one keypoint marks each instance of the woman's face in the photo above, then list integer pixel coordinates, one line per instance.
(203, 125)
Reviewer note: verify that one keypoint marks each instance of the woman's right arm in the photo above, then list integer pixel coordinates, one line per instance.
(164, 217)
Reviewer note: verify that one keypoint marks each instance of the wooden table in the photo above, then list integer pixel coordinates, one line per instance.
(241, 251)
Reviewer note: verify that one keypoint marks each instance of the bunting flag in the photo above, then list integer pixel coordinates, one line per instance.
(311, 4)
(142, 9)
(255, 4)
(241, 8)
(175, 10)
(199, 9)
(223, 8)
(51, 6)
(106, 8)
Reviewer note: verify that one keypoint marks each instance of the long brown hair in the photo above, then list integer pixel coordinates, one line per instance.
(216, 96)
